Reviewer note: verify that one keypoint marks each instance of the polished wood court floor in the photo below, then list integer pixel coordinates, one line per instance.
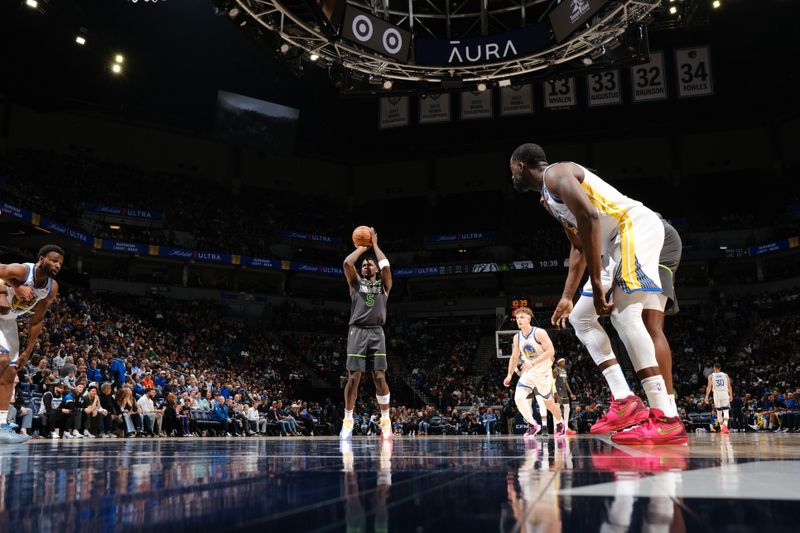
(736, 482)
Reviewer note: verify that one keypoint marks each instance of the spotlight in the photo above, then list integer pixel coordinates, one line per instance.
(116, 68)
(314, 56)
(587, 61)
(716, 4)
(233, 13)
(284, 48)
(80, 39)
(673, 10)
(388, 84)
(504, 83)
(119, 59)
(33, 4)
(481, 87)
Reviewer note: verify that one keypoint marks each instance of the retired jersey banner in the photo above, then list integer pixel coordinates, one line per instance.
(648, 79)
(559, 93)
(603, 88)
(434, 108)
(476, 104)
(516, 100)
(394, 112)
(693, 68)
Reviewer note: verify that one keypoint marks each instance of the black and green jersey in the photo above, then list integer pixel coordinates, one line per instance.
(368, 304)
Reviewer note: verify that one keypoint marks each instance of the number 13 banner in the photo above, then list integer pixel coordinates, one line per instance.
(693, 68)
(559, 93)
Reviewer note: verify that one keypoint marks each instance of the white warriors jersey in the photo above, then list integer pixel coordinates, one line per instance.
(20, 309)
(612, 206)
(529, 350)
(719, 382)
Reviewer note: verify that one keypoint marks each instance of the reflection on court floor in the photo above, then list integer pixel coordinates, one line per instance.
(741, 481)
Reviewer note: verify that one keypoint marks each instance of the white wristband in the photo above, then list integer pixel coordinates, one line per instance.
(383, 263)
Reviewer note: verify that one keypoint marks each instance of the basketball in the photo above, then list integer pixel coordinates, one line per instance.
(362, 236)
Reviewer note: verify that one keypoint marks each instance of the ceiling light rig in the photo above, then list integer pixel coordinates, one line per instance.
(387, 42)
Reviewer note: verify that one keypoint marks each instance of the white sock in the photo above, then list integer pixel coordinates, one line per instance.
(524, 405)
(672, 403)
(383, 403)
(621, 510)
(616, 382)
(3, 417)
(657, 395)
(348, 415)
(566, 412)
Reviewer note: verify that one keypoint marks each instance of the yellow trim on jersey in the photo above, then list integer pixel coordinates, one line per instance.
(627, 251)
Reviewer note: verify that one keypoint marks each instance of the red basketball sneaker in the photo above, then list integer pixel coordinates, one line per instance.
(621, 414)
(657, 430)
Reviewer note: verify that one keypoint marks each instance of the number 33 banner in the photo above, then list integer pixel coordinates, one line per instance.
(648, 79)
(693, 70)
(604, 88)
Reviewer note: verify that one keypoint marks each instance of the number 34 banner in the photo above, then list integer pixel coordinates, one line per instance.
(693, 70)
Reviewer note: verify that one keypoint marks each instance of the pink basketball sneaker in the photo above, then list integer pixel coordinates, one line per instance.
(621, 414)
(533, 430)
(657, 430)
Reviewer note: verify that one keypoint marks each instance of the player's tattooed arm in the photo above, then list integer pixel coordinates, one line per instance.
(349, 267)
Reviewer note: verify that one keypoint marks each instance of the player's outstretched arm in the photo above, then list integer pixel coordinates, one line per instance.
(36, 323)
(565, 182)
(577, 266)
(349, 267)
(383, 263)
(512, 362)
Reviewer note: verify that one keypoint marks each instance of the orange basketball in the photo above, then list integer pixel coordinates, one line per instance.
(362, 236)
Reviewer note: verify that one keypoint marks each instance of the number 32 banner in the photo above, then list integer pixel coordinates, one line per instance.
(648, 79)
(693, 69)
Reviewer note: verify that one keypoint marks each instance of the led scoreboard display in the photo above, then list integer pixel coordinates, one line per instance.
(516, 303)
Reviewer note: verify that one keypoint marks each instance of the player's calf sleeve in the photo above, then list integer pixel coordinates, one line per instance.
(627, 320)
(588, 330)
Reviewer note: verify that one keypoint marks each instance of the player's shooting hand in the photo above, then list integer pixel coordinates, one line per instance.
(374, 237)
(24, 293)
(600, 304)
(5, 306)
(561, 313)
